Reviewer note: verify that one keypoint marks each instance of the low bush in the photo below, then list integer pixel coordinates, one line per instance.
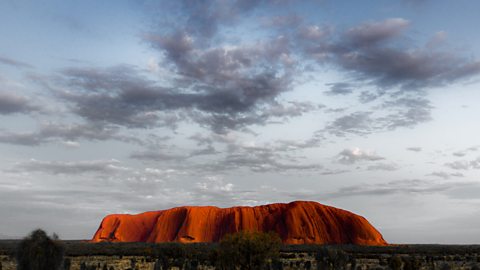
(248, 250)
(39, 252)
(329, 258)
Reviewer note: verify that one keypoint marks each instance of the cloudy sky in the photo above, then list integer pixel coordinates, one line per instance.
(129, 106)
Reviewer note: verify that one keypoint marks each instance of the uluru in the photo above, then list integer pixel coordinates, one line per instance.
(298, 222)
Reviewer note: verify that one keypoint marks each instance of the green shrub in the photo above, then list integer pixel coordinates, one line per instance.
(248, 250)
(39, 252)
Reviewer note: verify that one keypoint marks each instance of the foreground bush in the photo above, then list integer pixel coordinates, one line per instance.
(248, 250)
(39, 252)
(331, 258)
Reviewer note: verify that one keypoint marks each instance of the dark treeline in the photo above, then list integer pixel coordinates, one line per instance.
(243, 250)
(83, 248)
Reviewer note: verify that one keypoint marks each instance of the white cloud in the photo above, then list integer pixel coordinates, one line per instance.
(71, 144)
(351, 156)
(215, 184)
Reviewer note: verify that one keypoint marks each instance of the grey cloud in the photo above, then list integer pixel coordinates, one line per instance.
(214, 190)
(443, 175)
(473, 148)
(201, 140)
(63, 199)
(156, 156)
(464, 164)
(73, 132)
(369, 96)
(339, 89)
(15, 63)
(123, 188)
(11, 103)
(129, 193)
(291, 20)
(464, 152)
(394, 187)
(165, 156)
(74, 167)
(291, 109)
(407, 112)
(459, 154)
(27, 139)
(209, 150)
(204, 18)
(371, 52)
(458, 165)
(232, 146)
(117, 96)
(64, 132)
(273, 156)
(217, 64)
(414, 149)
(231, 88)
(354, 123)
(292, 145)
(383, 167)
(261, 162)
(219, 88)
(410, 102)
(335, 110)
(37, 208)
(209, 139)
(468, 191)
(389, 67)
(273, 112)
(457, 174)
(334, 172)
(234, 87)
(351, 156)
(397, 112)
(464, 70)
(311, 35)
(372, 33)
(446, 175)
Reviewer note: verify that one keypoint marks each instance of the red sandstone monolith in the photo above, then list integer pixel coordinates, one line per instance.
(298, 222)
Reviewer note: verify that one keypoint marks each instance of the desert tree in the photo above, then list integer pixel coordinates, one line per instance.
(39, 252)
(248, 250)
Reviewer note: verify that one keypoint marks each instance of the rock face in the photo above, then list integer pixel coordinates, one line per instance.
(297, 222)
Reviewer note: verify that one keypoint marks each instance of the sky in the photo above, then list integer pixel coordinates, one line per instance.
(132, 106)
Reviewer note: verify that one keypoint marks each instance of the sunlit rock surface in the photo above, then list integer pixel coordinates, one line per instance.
(297, 222)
